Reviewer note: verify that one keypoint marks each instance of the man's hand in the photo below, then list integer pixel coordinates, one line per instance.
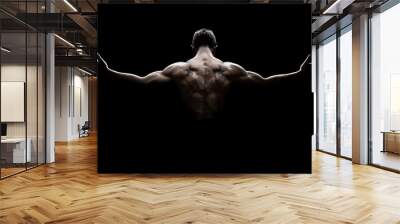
(308, 60)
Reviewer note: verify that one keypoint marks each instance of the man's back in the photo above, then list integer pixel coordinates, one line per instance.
(204, 81)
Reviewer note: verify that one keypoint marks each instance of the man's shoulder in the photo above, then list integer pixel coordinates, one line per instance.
(233, 69)
(228, 64)
(179, 65)
(176, 68)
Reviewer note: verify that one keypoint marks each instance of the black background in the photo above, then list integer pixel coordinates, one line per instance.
(263, 128)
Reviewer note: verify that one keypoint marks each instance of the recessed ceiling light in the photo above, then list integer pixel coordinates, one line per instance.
(70, 5)
(338, 6)
(65, 41)
(84, 71)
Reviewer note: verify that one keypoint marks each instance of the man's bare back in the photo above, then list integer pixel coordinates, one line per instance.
(203, 80)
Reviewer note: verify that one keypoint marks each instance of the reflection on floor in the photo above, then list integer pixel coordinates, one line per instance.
(71, 191)
(386, 159)
(346, 152)
(10, 169)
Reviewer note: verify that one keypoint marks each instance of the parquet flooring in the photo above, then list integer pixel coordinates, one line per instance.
(71, 191)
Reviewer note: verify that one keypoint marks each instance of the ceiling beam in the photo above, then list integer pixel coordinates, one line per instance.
(86, 27)
(76, 61)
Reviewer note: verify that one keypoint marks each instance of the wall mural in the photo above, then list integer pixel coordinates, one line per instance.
(204, 88)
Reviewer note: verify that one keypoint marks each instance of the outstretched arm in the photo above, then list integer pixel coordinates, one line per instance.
(154, 76)
(256, 77)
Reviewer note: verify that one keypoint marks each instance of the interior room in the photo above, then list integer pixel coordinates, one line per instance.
(22, 103)
(70, 134)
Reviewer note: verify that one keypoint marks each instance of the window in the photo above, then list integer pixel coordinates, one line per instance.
(327, 95)
(346, 93)
(385, 88)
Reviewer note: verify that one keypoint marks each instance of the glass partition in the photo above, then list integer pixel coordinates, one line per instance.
(41, 97)
(31, 99)
(15, 153)
(22, 88)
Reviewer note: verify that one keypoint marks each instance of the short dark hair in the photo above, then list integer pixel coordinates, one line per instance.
(204, 37)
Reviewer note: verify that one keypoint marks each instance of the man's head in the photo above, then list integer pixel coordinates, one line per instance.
(204, 37)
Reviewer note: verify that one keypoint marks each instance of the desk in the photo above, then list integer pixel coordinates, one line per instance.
(391, 141)
(13, 150)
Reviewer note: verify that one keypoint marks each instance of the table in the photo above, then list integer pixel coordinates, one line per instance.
(13, 150)
(391, 141)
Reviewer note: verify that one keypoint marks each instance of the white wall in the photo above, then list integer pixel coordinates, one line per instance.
(81, 103)
(14, 72)
(62, 81)
(71, 102)
(17, 72)
(33, 127)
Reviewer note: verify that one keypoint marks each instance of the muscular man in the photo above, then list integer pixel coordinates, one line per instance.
(203, 80)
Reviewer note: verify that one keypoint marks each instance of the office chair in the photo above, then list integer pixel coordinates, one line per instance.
(84, 130)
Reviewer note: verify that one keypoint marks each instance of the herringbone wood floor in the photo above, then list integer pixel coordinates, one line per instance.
(70, 191)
